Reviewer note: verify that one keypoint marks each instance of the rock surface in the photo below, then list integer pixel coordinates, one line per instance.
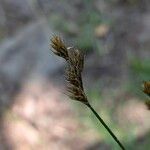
(28, 53)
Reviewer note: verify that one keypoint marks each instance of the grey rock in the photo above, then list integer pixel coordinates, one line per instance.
(15, 13)
(27, 53)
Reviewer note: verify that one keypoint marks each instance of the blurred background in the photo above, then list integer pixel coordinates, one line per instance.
(34, 112)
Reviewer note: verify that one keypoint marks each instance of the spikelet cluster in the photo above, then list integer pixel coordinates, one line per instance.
(146, 90)
(59, 47)
(75, 64)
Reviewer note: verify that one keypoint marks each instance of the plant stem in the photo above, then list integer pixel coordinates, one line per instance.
(106, 127)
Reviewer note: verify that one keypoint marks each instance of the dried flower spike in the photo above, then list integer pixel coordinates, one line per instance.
(75, 61)
(146, 89)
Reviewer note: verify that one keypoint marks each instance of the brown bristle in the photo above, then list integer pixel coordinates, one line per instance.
(59, 47)
(146, 89)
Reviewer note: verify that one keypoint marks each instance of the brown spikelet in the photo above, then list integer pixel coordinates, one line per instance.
(59, 47)
(75, 60)
(146, 89)
(74, 85)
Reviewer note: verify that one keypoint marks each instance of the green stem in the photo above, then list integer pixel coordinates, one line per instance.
(106, 127)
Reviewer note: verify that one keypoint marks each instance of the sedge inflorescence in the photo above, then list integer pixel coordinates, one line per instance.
(75, 64)
(146, 90)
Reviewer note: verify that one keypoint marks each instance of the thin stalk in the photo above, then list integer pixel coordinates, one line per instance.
(105, 126)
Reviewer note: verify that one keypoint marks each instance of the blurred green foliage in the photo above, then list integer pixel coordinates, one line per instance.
(82, 28)
(141, 68)
(139, 72)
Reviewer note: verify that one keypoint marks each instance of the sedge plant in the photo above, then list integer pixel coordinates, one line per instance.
(73, 75)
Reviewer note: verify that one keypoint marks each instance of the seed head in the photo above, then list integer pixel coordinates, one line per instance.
(75, 64)
(146, 89)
